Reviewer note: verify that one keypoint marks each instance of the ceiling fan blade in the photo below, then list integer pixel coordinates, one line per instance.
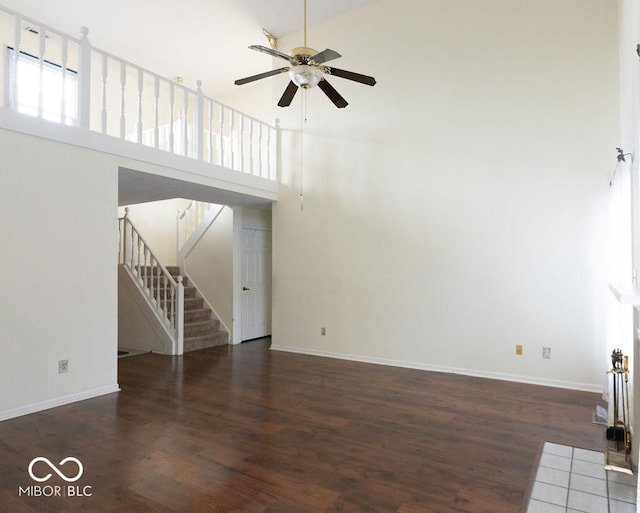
(287, 96)
(325, 56)
(253, 78)
(271, 51)
(350, 75)
(333, 95)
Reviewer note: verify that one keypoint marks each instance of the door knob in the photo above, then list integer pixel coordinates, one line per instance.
(246, 288)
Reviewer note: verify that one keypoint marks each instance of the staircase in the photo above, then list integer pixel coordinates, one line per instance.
(186, 321)
(201, 329)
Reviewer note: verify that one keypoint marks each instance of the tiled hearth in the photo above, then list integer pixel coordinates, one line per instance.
(572, 480)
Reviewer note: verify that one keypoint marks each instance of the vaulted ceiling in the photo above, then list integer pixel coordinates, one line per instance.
(195, 39)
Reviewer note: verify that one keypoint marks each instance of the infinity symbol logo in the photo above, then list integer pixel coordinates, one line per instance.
(55, 469)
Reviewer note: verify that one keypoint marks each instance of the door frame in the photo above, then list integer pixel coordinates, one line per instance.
(238, 224)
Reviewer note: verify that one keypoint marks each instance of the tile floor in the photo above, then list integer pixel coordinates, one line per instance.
(572, 480)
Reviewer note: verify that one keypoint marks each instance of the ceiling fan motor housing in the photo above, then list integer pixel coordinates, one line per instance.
(302, 51)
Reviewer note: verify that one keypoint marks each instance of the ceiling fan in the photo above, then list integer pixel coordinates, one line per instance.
(307, 69)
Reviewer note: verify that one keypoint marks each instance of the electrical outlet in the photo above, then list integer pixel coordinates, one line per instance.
(519, 349)
(63, 366)
(546, 352)
(323, 331)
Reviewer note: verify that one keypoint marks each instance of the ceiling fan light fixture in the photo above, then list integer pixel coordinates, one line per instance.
(305, 76)
(306, 70)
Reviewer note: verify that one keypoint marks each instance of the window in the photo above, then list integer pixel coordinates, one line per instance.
(48, 87)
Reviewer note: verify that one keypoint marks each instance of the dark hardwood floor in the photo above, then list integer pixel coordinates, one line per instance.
(245, 429)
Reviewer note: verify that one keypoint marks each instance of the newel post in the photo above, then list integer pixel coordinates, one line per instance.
(199, 121)
(84, 80)
(127, 243)
(180, 317)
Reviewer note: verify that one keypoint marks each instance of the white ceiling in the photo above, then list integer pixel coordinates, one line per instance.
(196, 39)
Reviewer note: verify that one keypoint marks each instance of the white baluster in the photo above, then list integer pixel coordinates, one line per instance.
(126, 247)
(201, 210)
(84, 80)
(12, 93)
(251, 147)
(178, 233)
(132, 248)
(156, 115)
(139, 269)
(180, 317)
(64, 52)
(199, 122)
(171, 106)
(162, 290)
(260, 150)
(210, 138)
(273, 151)
(120, 244)
(171, 314)
(185, 96)
(232, 138)
(158, 282)
(242, 143)
(103, 112)
(41, 52)
(140, 91)
(152, 279)
(221, 146)
(123, 85)
(145, 269)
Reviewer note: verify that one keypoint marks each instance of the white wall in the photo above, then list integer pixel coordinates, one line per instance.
(457, 208)
(59, 238)
(156, 222)
(259, 219)
(210, 266)
(253, 99)
(629, 21)
(138, 325)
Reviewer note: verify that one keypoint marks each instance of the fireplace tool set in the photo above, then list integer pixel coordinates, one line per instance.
(620, 458)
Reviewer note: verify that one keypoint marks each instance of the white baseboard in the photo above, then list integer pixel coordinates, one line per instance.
(58, 401)
(585, 387)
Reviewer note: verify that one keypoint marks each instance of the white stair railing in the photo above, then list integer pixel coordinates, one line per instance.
(73, 82)
(191, 225)
(189, 219)
(164, 295)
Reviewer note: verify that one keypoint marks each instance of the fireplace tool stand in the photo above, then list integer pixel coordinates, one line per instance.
(619, 459)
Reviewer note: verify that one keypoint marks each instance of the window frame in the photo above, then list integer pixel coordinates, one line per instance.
(66, 83)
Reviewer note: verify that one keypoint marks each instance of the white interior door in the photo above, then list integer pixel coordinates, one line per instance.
(256, 283)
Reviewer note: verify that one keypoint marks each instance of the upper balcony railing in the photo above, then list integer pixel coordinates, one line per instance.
(60, 78)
